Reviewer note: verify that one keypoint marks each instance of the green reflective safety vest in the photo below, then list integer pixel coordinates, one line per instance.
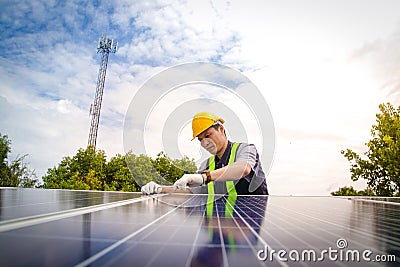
(229, 207)
(230, 185)
(231, 200)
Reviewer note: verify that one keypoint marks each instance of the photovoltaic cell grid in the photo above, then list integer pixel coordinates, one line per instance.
(17, 203)
(84, 228)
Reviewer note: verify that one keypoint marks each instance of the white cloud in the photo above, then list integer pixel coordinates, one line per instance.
(168, 34)
(382, 56)
(45, 134)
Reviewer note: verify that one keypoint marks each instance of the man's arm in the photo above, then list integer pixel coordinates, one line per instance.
(246, 158)
(231, 172)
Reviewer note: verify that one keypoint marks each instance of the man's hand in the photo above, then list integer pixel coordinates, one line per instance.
(189, 180)
(151, 188)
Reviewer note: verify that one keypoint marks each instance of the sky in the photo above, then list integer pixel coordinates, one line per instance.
(323, 67)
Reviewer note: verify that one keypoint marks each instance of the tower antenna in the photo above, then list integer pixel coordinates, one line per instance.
(104, 47)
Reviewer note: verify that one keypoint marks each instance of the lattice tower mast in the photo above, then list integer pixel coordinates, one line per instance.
(105, 46)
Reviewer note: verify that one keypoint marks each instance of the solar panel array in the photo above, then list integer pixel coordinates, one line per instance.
(84, 228)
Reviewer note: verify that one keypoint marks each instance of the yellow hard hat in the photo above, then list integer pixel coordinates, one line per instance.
(202, 121)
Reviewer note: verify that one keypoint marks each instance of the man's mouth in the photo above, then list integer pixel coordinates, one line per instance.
(210, 149)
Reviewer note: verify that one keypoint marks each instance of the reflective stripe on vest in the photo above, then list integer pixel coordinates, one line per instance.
(231, 200)
(229, 209)
(230, 185)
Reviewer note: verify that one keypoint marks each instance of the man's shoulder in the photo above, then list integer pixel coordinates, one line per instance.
(244, 145)
(246, 152)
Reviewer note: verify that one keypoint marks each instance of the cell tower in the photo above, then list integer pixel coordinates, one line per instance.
(104, 47)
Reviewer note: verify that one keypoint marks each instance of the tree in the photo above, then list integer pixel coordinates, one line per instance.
(89, 170)
(172, 170)
(14, 173)
(85, 170)
(118, 176)
(142, 169)
(350, 191)
(5, 148)
(381, 168)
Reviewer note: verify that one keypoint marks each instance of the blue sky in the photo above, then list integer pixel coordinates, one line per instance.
(323, 68)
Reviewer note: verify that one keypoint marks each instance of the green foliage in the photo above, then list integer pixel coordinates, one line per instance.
(381, 167)
(118, 176)
(5, 148)
(89, 170)
(350, 191)
(172, 170)
(142, 169)
(16, 172)
(85, 170)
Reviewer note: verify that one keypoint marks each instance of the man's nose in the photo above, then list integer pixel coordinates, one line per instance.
(206, 143)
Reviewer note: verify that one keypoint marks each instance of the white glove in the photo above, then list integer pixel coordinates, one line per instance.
(189, 180)
(151, 188)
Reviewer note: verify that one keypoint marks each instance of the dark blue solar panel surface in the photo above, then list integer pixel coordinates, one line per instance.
(17, 202)
(80, 228)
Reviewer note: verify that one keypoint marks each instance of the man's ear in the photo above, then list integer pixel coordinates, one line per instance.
(221, 128)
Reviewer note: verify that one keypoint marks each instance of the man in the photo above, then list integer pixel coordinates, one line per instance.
(233, 168)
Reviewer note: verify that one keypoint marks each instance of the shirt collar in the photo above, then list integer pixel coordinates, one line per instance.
(225, 156)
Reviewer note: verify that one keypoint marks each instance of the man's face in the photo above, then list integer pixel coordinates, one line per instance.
(212, 139)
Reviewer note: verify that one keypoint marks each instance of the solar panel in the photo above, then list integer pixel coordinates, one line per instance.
(84, 228)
